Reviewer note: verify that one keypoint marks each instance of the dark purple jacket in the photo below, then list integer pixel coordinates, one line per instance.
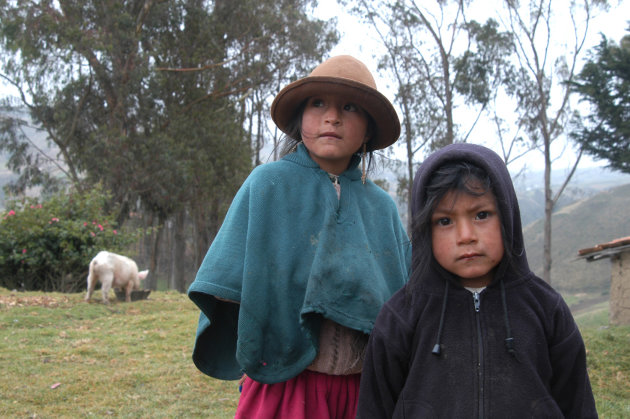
(511, 351)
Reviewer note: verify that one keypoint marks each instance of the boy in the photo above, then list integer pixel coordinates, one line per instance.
(474, 333)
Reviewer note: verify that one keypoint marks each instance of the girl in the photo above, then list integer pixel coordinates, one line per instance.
(307, 254)
(474, 333)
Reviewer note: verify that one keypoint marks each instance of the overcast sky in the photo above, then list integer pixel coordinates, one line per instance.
(358, 40)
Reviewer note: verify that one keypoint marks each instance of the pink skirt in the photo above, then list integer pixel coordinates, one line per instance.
(309, 395)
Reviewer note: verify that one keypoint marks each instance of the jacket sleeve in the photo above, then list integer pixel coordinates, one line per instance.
(386, 363)
(570, 385)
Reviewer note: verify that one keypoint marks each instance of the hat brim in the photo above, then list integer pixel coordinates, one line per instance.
(286, 103)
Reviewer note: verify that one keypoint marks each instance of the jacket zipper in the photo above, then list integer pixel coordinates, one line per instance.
(477, 303)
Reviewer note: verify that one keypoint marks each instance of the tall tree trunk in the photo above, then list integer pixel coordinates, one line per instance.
(548, 213)
(179, 253)
(171, 245)
(152, 278)
(259, 133)
(202, 241)
(410, 154)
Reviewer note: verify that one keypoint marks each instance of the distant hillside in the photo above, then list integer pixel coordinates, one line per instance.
(39, 141)
(586, 182)
(598, 219)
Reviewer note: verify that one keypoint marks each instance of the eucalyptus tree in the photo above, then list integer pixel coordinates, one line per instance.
(438, 60)
(81, 70)
(604, 84)
(86, 71)
(281, 41)
(149, 97)
(198, 152)
(541, 84)
(256, 47)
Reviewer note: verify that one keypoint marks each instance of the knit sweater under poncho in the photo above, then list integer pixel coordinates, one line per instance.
(292, 253)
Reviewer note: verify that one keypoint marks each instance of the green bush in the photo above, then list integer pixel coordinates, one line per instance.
(47, 246)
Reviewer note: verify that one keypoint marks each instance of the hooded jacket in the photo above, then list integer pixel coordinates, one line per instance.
(291, 253)
(513, 350)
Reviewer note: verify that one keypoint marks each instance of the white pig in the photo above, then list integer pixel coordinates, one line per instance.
(116, 271)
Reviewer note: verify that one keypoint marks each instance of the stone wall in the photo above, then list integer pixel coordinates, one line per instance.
(620, 289)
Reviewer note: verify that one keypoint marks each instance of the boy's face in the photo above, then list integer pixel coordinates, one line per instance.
(466, 236)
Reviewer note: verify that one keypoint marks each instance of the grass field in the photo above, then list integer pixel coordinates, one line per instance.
(63, 358)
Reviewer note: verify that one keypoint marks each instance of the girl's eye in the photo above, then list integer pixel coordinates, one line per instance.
(317, 103)
(444, 221)
(351, 107)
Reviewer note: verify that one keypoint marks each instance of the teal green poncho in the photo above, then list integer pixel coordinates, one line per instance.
(291, 253)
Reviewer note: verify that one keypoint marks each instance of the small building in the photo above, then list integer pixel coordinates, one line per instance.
(619, 253)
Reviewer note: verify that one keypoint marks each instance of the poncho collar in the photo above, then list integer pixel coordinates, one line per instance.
(303, 158)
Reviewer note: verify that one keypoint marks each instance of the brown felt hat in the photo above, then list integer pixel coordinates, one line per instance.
(351, 78)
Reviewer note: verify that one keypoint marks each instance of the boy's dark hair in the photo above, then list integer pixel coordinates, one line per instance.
(461, 177)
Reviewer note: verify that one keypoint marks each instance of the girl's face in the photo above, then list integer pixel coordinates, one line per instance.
(466, 236)
(333, 129)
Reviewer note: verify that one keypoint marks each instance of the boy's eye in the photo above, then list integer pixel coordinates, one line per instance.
(482, 215)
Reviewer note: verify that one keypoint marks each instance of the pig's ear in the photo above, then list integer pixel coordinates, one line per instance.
(143, 274)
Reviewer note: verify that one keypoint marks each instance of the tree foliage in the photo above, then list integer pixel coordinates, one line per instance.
(155, 99)
(604, 83)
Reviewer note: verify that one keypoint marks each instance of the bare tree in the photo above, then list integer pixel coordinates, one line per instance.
(437, 60)
(541, 83)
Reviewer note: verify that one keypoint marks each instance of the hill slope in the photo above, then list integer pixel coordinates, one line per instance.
(598, 219)
(585, 183)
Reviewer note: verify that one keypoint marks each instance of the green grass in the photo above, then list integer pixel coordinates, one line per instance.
(608, 358)
(63, 358)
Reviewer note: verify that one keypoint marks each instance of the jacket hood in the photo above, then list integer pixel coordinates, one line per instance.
(510, 268)
(502, 188)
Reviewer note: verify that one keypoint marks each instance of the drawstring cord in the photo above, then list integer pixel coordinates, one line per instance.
(509, 340)
(437, 349)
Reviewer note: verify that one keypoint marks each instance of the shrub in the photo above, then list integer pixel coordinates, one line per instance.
(47, 246)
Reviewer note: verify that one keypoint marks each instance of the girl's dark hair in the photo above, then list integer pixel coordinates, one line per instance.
(293, 135)
(460, 177)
